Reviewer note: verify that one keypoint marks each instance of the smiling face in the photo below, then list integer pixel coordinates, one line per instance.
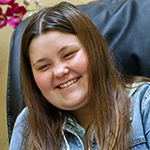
(60, 68)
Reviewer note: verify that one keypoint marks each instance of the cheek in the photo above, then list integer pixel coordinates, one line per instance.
(82, 64)
(41, 81)
(86, 65)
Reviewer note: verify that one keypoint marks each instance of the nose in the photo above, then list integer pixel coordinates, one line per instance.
(60, 70)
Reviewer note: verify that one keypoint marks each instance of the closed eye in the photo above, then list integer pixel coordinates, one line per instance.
(69, 55)
(44, 67)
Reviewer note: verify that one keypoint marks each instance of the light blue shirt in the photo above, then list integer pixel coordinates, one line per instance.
(140, 117)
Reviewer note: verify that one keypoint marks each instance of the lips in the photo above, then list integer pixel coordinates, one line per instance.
(68, 83)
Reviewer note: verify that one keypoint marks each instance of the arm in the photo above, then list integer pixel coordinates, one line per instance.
(140, 117)
(146, 116)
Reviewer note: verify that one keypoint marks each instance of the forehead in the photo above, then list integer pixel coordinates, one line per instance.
(54, 39)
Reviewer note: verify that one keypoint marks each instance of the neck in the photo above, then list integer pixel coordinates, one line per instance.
(83, 116)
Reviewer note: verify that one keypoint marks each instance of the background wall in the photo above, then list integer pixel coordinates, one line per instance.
(5, 36)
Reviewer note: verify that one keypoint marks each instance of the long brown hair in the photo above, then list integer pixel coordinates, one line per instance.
(111, 123)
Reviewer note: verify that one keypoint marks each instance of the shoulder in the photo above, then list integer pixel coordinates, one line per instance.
(140, 99)
(21, 117)
(140, 93)
(18, 130)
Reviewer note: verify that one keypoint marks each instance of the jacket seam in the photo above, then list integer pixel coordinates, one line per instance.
(138, 141)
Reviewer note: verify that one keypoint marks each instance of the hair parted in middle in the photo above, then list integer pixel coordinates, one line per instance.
(111, 123)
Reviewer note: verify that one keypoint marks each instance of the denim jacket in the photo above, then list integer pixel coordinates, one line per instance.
(140, 117)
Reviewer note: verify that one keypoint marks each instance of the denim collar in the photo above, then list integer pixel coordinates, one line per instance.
(74, 126)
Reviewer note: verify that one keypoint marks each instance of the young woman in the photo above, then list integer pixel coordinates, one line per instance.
(75, 97)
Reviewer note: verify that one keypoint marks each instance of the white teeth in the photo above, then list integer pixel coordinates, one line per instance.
(68, 83)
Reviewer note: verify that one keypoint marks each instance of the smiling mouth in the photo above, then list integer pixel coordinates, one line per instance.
(68, 83)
